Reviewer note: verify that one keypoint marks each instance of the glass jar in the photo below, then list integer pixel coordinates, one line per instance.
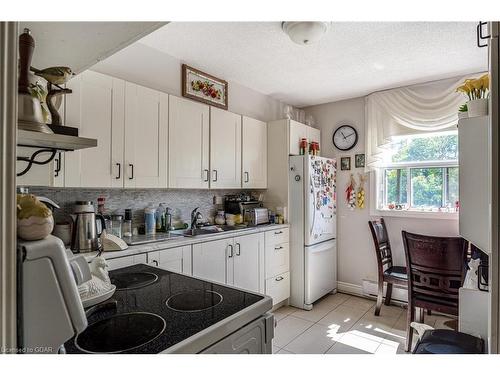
(219, 218)
(116, 225)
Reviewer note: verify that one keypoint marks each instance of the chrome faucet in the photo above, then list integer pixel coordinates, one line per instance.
(196, 218)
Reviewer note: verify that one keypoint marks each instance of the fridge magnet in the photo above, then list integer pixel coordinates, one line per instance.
(350, 193)
(345, 163)
(359, 160)
(360, 196)
(203, 87)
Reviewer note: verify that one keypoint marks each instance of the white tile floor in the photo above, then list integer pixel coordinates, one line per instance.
(344, 324)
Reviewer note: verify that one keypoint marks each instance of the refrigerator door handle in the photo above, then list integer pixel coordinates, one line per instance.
(313, 221)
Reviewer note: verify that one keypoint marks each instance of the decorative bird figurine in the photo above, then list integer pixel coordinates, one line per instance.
(100, 282)
(56, 75)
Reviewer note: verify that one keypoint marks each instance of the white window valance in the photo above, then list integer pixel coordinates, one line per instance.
(417, 109)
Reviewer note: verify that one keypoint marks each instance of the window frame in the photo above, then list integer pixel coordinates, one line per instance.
(380, 190)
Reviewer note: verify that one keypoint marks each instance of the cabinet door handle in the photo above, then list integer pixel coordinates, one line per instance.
(119, 171)
(132, 169)
(279, 278)
(58, 165)
(230, 251)
(278, 248)
(247, 177)
(238, 252)
(215, 175)
(480, 36)
(278, 232)
(207, 172)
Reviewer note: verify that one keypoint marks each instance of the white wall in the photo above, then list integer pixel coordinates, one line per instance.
(149, 67)
(356, 255)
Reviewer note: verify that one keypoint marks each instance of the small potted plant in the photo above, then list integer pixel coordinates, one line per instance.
(477, 90)
(462, 112)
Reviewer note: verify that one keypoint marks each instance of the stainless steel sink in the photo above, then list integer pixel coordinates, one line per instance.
(206, 230)
(196, 231)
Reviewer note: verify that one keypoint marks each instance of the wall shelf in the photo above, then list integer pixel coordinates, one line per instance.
(48, 143)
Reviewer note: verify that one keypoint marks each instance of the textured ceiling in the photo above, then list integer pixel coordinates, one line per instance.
(80, 45)
(352, 60)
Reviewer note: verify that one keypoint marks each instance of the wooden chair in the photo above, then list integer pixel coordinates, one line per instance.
(435, 273)
(386, 270)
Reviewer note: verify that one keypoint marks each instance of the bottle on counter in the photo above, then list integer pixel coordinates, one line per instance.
(150, 220)
(168, 219)
(101, 209)
(160, 218)
(303, 146)
(127, 223)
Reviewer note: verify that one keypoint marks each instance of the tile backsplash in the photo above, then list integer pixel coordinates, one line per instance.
(117, 200)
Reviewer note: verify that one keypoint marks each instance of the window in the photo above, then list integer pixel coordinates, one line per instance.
(421, 172)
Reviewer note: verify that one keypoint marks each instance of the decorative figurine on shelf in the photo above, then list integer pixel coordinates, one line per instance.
(361, 191)
(34, 219)
(55, 76)
(350, 196)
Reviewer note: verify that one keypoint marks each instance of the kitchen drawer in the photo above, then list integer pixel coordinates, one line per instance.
(277, 259)
(277, 236)
(278, 287)
(116, 263)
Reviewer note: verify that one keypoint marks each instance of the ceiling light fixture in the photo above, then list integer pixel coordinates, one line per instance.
(305, 33)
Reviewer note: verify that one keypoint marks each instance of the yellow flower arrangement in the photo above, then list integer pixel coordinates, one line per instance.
(476, 88)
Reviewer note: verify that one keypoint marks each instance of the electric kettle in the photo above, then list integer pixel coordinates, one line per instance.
(85, 235)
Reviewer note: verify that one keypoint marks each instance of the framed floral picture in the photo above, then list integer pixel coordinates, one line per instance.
(203, 87)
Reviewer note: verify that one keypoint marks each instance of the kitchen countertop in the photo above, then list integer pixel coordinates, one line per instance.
(183, 241)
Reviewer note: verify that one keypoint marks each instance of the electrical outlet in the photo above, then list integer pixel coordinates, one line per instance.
(218, 199)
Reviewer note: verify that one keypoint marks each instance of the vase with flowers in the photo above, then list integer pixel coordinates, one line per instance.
(477, 90)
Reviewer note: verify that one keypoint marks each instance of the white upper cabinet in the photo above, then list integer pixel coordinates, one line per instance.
(146, 137)
(225, 149)
(297, 132)
(96, 106)
(313, 135)
(254, 154)
(188, 158)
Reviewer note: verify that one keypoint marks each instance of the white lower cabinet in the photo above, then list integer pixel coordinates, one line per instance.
(209, 259)
(277, 259)
(277, 265)
(278, 287)
(244, 264)
(130, 260)
(177, 259)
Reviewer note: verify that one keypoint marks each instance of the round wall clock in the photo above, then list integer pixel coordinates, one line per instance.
(345, 137)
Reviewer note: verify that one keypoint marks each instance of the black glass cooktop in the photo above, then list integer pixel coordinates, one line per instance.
(195, 300)
(176, 306)
(133, 280)
(101, 337)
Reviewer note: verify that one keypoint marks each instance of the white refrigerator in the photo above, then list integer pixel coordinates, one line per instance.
(313, 228)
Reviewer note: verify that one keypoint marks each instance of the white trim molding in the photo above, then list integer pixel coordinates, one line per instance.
(349, 288)
(8, 133)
